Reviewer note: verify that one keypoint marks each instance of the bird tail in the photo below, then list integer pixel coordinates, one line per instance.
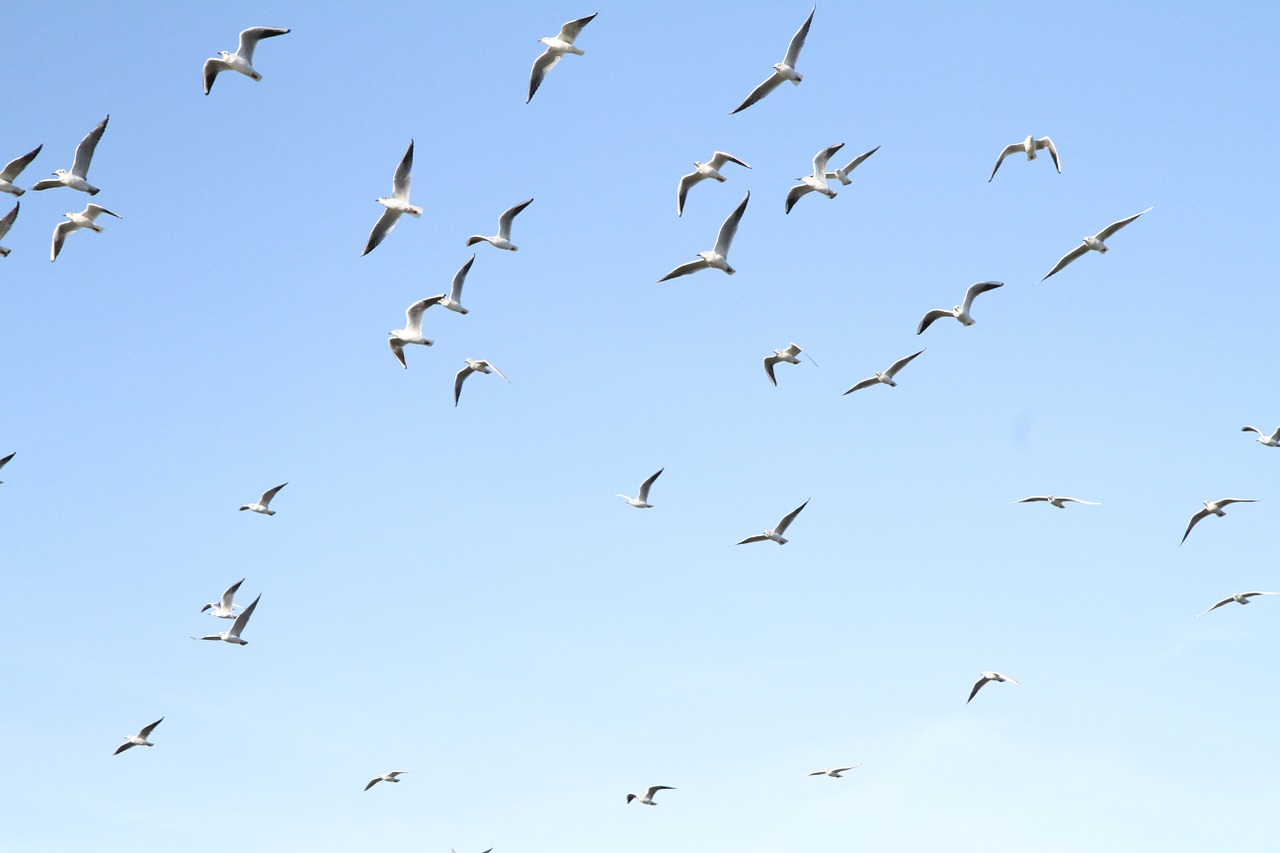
(782, 541)
(4, 253)
(94, 191)
(17, 191)
(730, 270)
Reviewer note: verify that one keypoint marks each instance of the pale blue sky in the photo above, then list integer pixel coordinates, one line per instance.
(457, 592)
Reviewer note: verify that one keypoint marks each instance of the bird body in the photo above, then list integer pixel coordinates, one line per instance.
(77, 176)
(775, 535)
(817, 182)
(647, 797)
(1213, 508)
(1272, 440)
(264, 502)
(502, 240)
(474, 365)
(784, 71)
(641, 501)
(885, 377)
(140, 739)
(76, 221)
(960, 312)
(717, 258)
(1028, 146)
(14, 168)
(242, 60)
(397, 205)
(1094, 243)
(982, 682)
(701, 172)
(232, 634)
(557, 46)
(223, 607)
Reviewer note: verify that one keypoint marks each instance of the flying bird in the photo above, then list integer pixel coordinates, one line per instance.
(237, 627)
(641, 501)
(10, 172)
(242, 59)
(412, 331)
(557, 46)
(7, 223)
(988, 676)
(1239, 598)
(886, 377)
(1094, 243)
(473, 366)
(1213, 508)
(395, 206)
(1028, 146)
(702, 171)
(76, 221)
(775, 534)
(386, 777)
(140, 739)
(791, 355)
(223, 608)
(647, 797)
(5, 461)
(817, 182)
(717, 258)
(454, 300)
(77, 177)
(960, 312)
(503, 238)
(784, 70)
(1272, 440)
(264, 501)
(1056, 501)
(843, 174)
(834, 772)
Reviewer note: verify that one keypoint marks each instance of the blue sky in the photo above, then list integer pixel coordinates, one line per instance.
(456, 592)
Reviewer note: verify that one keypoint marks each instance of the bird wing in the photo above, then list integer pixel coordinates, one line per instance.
(792, 349)
(1008, 149)
(857, 161)
(489, 364)
(730, 227)
(243, 618)
(397, 349)
(975, 289)
(1225, 501)
(648, 795)
(1242, 429)
(719, 158)
(1116, 226)
(788, 518)
(685, 269)
(1077, 252)
(92, 210)
(212, 67)
(270, 493)
(459, 379)
(84, 151)
(685, 182)
(413, 314)
(1032, 499)
(60, 232)
(15, 167)
(797, 40)
(455, 290)
(644, 487)
(796, 193)
(768, 368)
(773, 81)
(1226, 600)
(122, 747)
(1046, 142)
(47, 184)
(1078, 501)
(976, 687)
(820, 160)
(404, 174)
(541, 66)
(759, 537)
(866, 383)
(7, 222)
(229, 595)
(386, 222)
(147, 730)
(899, 364)
(927, 321)
(249, 40)
(504, 221)
(570, 31)
(5, 460)
(1275, 436)
(1192, 523)
(375, 780)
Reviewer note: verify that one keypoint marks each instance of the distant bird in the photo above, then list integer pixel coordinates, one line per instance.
(473, 366)
(988, 676)
(791, 355)
(1056, 501)
(784, 70)
(702, 171)
(1094, 243)
(647, 797)
(76, 221)
(886, 377)
(960, 312)
(223, 608)
(7, 223)
(412, 331)
(454, 300)
(5, 461)
(503, 238)
(843, 174)
(395, 206)
(10, 172)
(717, 258)
(834, 772)
(386, 777)
(242, 59)
(140, 739)
(1028, 146)
(817, 182)
(77, 178)
(264, 501)
(1272, 440)
(775, 535)
(1213, 508)
(641, 501)
(237, 627)
(557, 46)
(1239, 598)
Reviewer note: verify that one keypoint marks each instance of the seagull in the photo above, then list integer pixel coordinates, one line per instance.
(76, 221)
(7, 223)
(834, 772)
(396, 205)
(412, 331)
(886, 377)
(1272, 440)
(817, 182)
(15, 167)
(776, 533)
(385, 777)
(843, 174)
(5, 461)
(989, 676)
(1213, 508)
(784, 70)
(1095, 243)
(717, 258)
(642, 500)
(473, 365)
(76, 178)
(647, 798)
(140, 739)
(223, 608)
(791, 355)
(1028, 146)
(242, 59)
(702, 171)
(960, 312)
(557, 46)
(503, 240)
(1239, 598)
(454, 300)
(1058, 502)
(264, 501)
(233, 635)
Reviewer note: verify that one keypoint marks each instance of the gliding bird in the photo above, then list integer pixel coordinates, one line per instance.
(264, 501)
(140, 739)
(396, 205)
(960, 312)
(1213, 508)
(886, 376)
(1056, 501)
(775, 534)
(503, 239)
(1272, 440)
(791, 355)
(77, 177)
(817, 182)
(988, 676)
(412, 331)
(717, 258)
(834, 772)
(702, 171)
(1094, 243)
(7, 223)
(843, 174)
(647, 797)
(233, 634)
(557, 46)
(474, 365)
(1239, 598)
(385, 777)
(242, 59)
(76, 221)
(10, 172)
(641, 501)
(1028, 146)
(223, 608)
(784, 70)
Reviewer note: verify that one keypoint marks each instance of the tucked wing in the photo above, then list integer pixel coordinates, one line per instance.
(1116, 226)
(1077, 252)
(386, 222)
(541, 66)
(774, 81)
(15, 167)
(797, 40)
(1009, 149)
(977, 289)
(404, 175)
(927, 321)
(84, 151)
(249, 40)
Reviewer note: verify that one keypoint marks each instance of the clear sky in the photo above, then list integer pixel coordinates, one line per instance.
(456, 592)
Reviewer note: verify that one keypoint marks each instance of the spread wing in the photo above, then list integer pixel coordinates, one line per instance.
(243, 618)
(1077, 252)
(249, 39)
(147, 730)
(927, 321)
(404, 174)
(719, 158)
(774, 81)
(788, 518)
(648, 795)
(1195, 519)
(122, 747)
(386, 222)
(460, 277)
(796, 193)
(504, 221)
(15, 167)
(375, 780)
(768, 368)
(84, 151)
(212, 67)
(7, 223)
(857, 161)
(685, 269)
(759, 537)
(1046, 142)
(60, 232)
(899, 364)
(976, 289)
(820, 159)
(683, 191)
(271, 493)
(541, 66)
(644, 487)
(976, 687)
(797, 40)
(458, 380)
(1009, 149)
(570, 31)
(730, 227)
(1116, 226)
(413, 314)
(397, 349)
(866, 383)
(230, 594)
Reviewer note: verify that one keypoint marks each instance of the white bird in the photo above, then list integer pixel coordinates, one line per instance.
(140, 739)
(1028, 146)
(817, 182)
(989, 676)
(784, 70)
(775, 534)
(1239, 598)
(233, 635)
(77, 177)
(5, 461)
(454, 300)
(264, 501)
(473, 366)
(385, 777)
(396, 205)
(647, 797)
(223, 608)
(834, 772)
(717, 258)
(843, 174)
(557, 46)
(7, 223)
(791, 355)
(1094, 243)
(960, 312)
(1272, 440)
(1056, 501)
(242, 59)
(412, 331)
(503, 238)
(641, 501)
(886, 377)
(1213, 508)
(76, 221)
(702, 171)
(10, 172)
